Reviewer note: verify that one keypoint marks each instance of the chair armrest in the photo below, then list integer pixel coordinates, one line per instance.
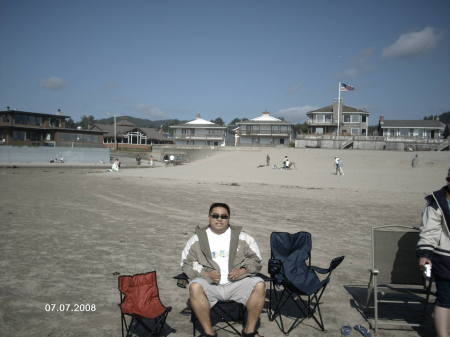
(274, 267)
(320, 270)
(182, 280)
(264, 277)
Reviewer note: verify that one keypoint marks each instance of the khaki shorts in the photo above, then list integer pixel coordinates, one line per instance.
(238, 291)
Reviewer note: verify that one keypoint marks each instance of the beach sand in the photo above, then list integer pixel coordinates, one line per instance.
(66, 233)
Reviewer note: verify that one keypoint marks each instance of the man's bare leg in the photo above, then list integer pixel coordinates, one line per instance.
(200, 305)
(441, 318)
(254, 305)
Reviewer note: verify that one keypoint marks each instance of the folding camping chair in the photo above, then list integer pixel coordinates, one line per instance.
(294, 280)
(224, 315)
(139, 299)
(395, 277)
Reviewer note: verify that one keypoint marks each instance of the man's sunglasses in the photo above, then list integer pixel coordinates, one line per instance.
(219, 216)
(448, 179)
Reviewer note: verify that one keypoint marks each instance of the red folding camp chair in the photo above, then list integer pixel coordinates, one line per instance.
(139, 299)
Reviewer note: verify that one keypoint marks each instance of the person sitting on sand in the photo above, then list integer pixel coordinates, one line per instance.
(218, 272)
(115, 166)
(285, 164)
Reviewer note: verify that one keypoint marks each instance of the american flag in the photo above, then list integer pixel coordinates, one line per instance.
(346, 87)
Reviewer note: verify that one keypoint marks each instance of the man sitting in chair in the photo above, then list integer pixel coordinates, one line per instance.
(221, 260)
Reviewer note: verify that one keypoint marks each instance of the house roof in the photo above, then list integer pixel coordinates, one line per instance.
(266, 117)
(345, 108)
(124, 129)
(428, 124)
(200, 121)
(33, 113)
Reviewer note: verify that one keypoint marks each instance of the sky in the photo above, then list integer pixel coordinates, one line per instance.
(165, 59)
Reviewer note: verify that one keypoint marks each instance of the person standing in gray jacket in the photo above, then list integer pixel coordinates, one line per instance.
(221, 261)
(433, 250)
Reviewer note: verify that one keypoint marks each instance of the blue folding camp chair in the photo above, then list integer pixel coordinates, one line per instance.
(294, 280)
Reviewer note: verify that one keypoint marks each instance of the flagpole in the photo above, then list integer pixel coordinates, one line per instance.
(339, 106)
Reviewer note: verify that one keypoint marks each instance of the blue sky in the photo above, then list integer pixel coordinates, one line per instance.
(160, 59)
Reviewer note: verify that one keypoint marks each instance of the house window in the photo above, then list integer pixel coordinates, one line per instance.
(346, 118)
(320, 119)
(19, 135)
(364, 119)
(276, 129)
(265, 128)
(355, 131)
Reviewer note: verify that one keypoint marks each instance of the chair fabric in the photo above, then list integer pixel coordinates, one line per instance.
(395, 276)
(294, 251)
(294, 279)
(139, 296)
(227, 312)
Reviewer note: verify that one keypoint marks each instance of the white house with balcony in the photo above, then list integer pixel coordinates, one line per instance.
(264, 130)
(198, 132)
(352, 121)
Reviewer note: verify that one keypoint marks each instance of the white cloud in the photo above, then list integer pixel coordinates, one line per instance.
(53, 83)
(411, 44)
(151, 111)
(295, 114)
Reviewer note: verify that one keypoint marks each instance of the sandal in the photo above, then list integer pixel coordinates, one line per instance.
(346, 330)
(362, 330)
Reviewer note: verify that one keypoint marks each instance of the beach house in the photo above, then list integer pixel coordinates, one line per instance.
(338, 118)
(198, 132)
(264, 130)
(130, 136)
(26, 128)
(426, 129)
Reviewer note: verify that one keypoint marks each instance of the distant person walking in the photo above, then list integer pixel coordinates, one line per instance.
(433, 249)
(138, 159)
(415, 161)
(151, 161)
(338, 164)
(267, 160)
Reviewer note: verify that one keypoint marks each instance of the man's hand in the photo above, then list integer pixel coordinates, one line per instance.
(214, 275)
(236, 273)
(423, 261)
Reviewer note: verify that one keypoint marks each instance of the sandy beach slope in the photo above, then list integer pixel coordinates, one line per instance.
(67, 232)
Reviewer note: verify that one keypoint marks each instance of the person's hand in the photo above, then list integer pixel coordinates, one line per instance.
(423, 261)
(214, 275)
(236, 273)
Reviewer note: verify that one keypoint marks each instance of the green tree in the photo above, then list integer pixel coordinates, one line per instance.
(70, 124)
(218, 121)
(234, 121)
(300, 128)
(87, 122)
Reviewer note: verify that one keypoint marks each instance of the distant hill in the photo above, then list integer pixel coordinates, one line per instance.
(140, 122)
